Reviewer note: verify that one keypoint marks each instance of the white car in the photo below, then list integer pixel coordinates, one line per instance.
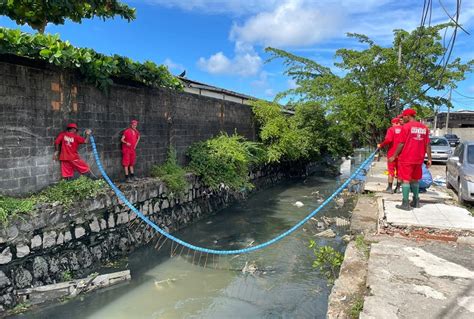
(460, 172)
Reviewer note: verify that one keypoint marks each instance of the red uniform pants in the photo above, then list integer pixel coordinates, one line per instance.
(392, 168)
(129, 157)
(409, 172)
(68, 167)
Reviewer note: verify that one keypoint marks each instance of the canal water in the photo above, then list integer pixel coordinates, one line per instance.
(278, 282)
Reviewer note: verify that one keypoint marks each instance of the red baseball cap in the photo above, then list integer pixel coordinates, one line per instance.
(409, 112)
(395, 120)
(133, 122)
(72, 125)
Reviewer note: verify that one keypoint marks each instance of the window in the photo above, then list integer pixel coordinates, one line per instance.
(438, 142)
(470, 154)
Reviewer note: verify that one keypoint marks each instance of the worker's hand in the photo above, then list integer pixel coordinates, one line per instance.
(88, 132)
(128, 144)
(55, 156)
(391, 159)
(428, 163)
(378, 146)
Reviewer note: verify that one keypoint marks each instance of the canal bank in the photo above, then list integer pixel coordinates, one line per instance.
(415, 264)
(279, 280)
(56, 243)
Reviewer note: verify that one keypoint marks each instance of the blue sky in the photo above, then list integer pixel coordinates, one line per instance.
(221, 42)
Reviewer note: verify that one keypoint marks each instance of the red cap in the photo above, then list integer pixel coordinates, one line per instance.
(409, 112)
(72, 125)
(134, 122)
(395, 120)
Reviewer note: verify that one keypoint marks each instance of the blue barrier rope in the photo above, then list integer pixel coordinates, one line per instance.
(121, 196)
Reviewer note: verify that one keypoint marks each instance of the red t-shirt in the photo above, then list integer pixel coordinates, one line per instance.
(415, 138)
(69, 144)
(392, 138)
(131, 136)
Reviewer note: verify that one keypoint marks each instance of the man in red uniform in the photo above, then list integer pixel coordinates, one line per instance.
(392, 139)
(414, 144)
(130, 139)
(68, 141)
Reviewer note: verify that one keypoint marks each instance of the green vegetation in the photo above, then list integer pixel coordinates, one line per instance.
(38, 13)
(362, 245)
(19, 308)
(67, 192)
(225, 159)
(360, 103)
(171, 173)
(357, 308)
(64, 193)
(306, 135)
(97, 68)
(11, 207)
(328, 260)
(66, 275)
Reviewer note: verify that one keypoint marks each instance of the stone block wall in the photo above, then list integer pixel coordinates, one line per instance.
(37, 101)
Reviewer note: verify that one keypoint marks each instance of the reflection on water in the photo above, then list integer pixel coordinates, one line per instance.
(284, 285)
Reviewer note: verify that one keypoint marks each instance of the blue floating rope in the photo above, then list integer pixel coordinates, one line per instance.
(121, 196)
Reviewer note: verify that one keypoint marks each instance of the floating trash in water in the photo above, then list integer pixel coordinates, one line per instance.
(298, 204)
(341, 222)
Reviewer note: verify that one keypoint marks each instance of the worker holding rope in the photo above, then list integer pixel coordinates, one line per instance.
(66, 145)
(392, 139)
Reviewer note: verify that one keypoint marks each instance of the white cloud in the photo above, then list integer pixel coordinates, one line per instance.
(269, 92)
(291, 84)
(172, 65)
(292, 23)
(246, 62)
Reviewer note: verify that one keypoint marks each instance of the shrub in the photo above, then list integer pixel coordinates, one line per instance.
(328, 260)
(68, 192)
(97, 68)
(171, 173)
(225, 159)
(11, 207)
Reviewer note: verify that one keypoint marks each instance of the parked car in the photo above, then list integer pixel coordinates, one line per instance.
(440, 149)
(460, 172)
(453, 139)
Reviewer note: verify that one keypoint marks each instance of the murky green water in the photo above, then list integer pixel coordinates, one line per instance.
(286, 285)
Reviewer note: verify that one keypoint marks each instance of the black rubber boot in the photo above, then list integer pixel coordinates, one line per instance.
(389, 190)
(404, 206)
(398, 188)
(415, 203)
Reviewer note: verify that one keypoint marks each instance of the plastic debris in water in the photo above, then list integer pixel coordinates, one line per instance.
(298, 204)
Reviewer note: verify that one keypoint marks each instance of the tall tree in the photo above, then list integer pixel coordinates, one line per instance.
(375, 86)
(38, 13)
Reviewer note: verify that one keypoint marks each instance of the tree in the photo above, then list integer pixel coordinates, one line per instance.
(38, 13)
(374, 86)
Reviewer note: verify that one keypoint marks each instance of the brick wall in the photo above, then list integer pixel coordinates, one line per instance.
(37, 101)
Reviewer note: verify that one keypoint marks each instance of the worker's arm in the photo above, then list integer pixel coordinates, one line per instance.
(397, 152)
(428, 152)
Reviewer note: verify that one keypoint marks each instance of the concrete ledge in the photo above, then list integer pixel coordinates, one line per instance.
(350, 286)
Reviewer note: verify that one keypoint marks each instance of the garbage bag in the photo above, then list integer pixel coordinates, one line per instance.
(426, 178)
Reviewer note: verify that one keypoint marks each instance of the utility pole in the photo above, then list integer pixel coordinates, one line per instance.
(399, 65)
(435, 121)
(447, 117)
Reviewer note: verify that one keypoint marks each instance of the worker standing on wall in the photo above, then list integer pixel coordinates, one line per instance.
(130, 139)
(66, 145)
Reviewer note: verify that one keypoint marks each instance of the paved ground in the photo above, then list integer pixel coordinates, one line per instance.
(412, 277)
(409, 279)
(437, 209)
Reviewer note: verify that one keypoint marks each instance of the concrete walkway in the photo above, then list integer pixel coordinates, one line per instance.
(421, 262)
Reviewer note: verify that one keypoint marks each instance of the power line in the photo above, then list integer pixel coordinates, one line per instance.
(448, 49)
(467, 97)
